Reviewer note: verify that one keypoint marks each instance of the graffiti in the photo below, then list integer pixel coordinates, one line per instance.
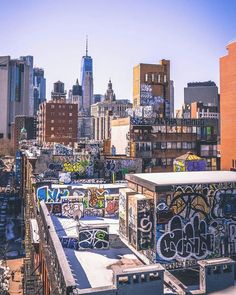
(196, 222)
(112, 207)
(48, 194)
(94, 212)
(163, 213)
(96, 238)
(75, 199)
(71, 243)
(188, 202)
(76, 167)
(224, 205)
(122, 167)
(192, 163)
(145, 224)
(65, 177)
(60, 149)
(186, 241)
(50, 174)
(55, 166)
(54, 208)
(72, 210)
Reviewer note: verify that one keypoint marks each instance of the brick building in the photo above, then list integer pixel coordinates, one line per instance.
(228, 107)
(159, 141)
(57, 122)
(152, 87)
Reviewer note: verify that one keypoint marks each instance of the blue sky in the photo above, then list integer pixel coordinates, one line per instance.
(193, 34)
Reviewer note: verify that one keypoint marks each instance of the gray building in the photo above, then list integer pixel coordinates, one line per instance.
(206, 92)
(39, 83)
(16, 96)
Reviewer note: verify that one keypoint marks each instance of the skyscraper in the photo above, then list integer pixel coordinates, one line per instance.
(205, 92)
(16, 95)
(39, 83)
(87, 80)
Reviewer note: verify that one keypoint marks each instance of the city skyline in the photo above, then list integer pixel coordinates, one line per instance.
(192, 35)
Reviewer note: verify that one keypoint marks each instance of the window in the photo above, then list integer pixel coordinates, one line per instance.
(163, 145)
(168, 144)
(52, 121)
(70, 114)
(174, 145)
(59, 106)
(169, 161)
(70, 121)
(185, 145)
(178, 145)
(52, 106)
(52, 128)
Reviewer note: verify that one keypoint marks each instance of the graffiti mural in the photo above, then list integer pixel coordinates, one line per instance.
(79, 201)
(82, 165)
(94, 238)
(196, 222)
(185, 240)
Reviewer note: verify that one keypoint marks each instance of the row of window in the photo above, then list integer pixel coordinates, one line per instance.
(61, 129)
(148, 146)
(61, 106)
(155, 78)
(62, 121)
(183, 129)
(61, 114)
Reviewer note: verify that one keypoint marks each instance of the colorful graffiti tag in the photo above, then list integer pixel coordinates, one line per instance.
(96, 238)
(196, 222)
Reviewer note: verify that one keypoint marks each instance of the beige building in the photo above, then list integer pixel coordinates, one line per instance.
(104, 112)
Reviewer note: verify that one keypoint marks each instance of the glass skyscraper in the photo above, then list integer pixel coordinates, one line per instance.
(87, 81)
(39, 88)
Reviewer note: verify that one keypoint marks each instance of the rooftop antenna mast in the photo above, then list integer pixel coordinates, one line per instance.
(86, 45)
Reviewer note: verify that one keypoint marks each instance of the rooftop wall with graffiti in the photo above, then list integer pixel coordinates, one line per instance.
(79, 201)
(120, 167)
(196, 222)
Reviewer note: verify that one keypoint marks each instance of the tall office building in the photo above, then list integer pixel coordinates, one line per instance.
(76, 95)
(228, 107)
(151, 87)
(87, 80)
(39, 83)
(205, 92)
(16, 95)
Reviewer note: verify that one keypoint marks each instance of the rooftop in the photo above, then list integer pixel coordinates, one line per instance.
(153, 180)
(82, 262)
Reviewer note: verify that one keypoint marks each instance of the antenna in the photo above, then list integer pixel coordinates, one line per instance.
(86, 45)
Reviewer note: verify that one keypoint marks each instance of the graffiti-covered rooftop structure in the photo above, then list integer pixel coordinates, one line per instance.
(178, 219)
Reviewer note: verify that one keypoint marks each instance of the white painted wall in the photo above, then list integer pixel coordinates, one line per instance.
(118, 138)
